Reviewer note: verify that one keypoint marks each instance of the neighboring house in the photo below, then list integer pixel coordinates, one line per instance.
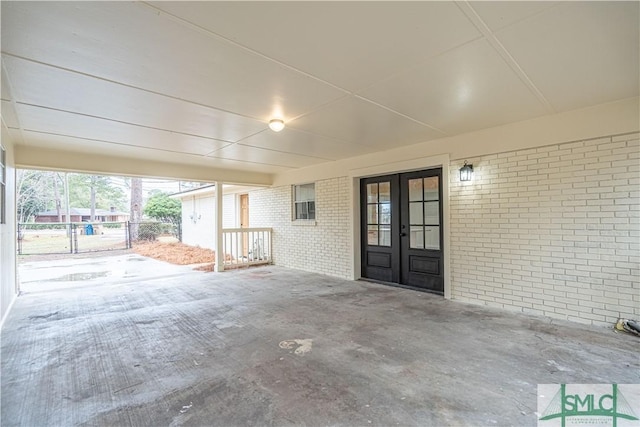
(83, 215)
(198, 213)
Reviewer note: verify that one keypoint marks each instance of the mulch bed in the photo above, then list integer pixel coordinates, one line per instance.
(175, 253)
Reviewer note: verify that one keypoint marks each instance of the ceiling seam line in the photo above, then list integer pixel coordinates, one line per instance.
(510, 60)
(256, 163)
(476, 20)
(243, 47)
(401, 114)
(13, 102)
(244, 138)
(320, 107)
(109, 142)
(124, 122)
(333, 139)
(209, 154)
(153, 92)
(285, 152)
(151, 148)
(420, 63)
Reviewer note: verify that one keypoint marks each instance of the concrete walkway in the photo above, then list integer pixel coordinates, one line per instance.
(102, 268)
(272, 346)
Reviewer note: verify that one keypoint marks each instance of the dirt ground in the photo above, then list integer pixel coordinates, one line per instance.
(177, 253)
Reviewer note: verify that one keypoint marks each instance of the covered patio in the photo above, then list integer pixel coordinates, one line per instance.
(276, 346)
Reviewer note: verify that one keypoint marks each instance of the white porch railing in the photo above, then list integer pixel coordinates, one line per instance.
(246, 246)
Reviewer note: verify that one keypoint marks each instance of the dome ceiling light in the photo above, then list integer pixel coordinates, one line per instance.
(276, 125)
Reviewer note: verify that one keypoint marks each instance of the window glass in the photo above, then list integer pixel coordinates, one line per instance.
(415, 213)
(415, 190)
(432, 213)
(379, 214)
(385, 213)
(384, 189)
(431, 188)
(372, 235)
(385, 235)
(432, 237)
(372, 193)
(304, 205)
(372, 214)
(416, 237)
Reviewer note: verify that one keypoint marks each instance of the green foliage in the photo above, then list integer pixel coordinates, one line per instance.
(44, 226)
(113, 224)
(107, 194)
(148, 231)
(163, 208)
(151, 230)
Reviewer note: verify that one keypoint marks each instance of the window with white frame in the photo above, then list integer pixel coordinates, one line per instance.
(3, 186)
(304, 202)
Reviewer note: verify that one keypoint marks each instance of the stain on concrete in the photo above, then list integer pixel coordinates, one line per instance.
(301, 346)
(79, 277)
(145, 322)
(43, 316)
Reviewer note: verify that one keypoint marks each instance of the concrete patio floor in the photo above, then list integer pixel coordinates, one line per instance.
(272, 346)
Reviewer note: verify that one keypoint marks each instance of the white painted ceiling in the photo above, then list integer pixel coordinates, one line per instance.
(197, 82)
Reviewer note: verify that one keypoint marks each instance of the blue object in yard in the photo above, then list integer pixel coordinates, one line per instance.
(88, 230)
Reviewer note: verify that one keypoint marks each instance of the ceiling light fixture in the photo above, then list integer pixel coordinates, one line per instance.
(276, 125)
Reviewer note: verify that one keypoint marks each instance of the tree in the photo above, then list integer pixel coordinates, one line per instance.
(136, 206)
(33, 193)
(95, 192)
(163, 208)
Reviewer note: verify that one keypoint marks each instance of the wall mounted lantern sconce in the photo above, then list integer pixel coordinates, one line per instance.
(466, 172)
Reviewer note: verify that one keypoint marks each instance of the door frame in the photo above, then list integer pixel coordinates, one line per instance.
(416, 164)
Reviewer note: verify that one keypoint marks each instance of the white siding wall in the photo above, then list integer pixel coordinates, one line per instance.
(323, 245)
(230, 211)
(8, 288)
(551, 230)
(203, 232)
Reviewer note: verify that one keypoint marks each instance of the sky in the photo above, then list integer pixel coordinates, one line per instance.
(150, 184)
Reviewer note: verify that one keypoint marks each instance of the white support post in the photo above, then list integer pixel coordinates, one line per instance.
(219, 265)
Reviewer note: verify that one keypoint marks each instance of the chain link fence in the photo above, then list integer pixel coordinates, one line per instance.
(152, 231)
(73, 238)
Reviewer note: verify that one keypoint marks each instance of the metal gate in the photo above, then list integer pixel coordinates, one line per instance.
(74, 238)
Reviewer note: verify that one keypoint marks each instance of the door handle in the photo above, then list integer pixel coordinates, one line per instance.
(402, 234)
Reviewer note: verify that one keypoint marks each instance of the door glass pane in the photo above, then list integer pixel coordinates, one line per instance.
(385, 235)
(431, 213)
(415, 190)
(385, 191)
(385, 213)
(415, 213)
(432, 237)
(372, 193)
(416, 238)
(431, 188)
(372, 214)
(372, 235)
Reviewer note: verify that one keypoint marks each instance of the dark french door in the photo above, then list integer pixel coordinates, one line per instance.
(401, 220)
